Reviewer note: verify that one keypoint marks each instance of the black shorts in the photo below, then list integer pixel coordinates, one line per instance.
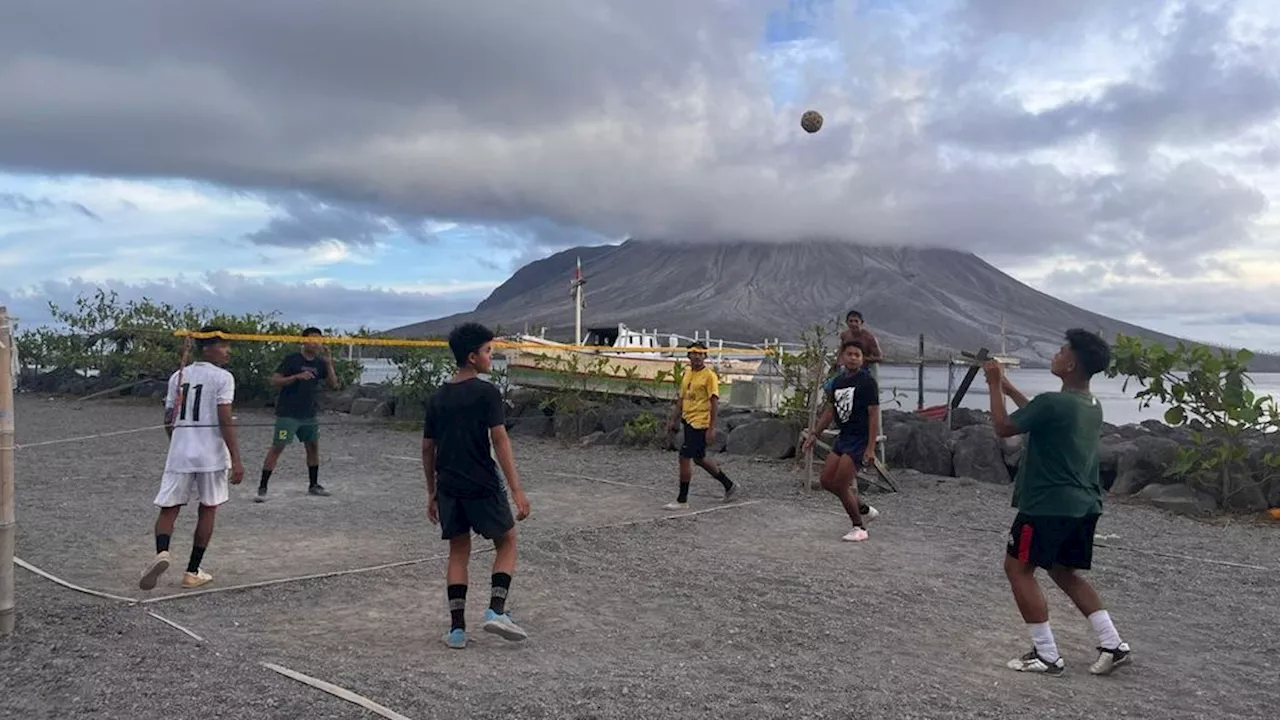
(1046, 541)
(488, 515)
(694, 446)
(854, 447)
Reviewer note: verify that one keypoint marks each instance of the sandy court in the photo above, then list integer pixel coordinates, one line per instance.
(754, 610)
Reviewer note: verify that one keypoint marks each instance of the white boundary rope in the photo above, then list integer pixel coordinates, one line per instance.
(71, 586)
(175, 626)
(336, 691)
(62, 441)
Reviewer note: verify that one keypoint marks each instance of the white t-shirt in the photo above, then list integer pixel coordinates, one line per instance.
(197, 444)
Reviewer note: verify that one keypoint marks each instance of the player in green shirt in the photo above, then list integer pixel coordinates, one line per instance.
(1058, 494)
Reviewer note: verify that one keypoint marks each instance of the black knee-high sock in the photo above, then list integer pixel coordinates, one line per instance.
(266, 476)
(162, 543)
(458, 606)
(314, 472)
(501, 586)
(197, 554)
(724, 479)
(684, 493)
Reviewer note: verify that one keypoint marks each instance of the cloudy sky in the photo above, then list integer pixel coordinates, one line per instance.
(387, 161)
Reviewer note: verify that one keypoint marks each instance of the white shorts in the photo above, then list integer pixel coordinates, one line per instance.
(181, 488)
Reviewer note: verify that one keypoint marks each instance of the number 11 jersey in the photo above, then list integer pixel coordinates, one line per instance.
(197, 445)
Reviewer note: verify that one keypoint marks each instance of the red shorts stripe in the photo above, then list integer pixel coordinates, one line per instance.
(1024, 544)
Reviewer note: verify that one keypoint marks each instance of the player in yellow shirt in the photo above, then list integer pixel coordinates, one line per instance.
(696, 411)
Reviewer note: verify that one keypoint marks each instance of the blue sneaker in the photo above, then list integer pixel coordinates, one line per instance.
(503, 625)
(456, 639)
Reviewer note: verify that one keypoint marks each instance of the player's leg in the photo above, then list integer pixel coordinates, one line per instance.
(713, 469)
(214, 490)
(175, 491)
(309, 434)
(455, 527)
(688, 449)
(1075, 554)
(1033, 542)
(281, 435)
(845, 481)
(493, 519)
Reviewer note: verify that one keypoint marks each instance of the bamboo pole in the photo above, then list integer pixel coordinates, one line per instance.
(8, 524)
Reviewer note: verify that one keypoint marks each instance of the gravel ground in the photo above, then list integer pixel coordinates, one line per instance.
(756, 610)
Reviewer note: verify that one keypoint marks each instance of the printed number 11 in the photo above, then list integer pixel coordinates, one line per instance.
(195, 402)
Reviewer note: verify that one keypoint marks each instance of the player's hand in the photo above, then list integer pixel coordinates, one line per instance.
(809, 438)
(711, 434)
(306, 375)
(995, 373)
(433, 511)
(237, 472)
(671, 426)
(869, 455)
(522, 506)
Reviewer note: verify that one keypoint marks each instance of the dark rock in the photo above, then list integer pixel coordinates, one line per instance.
(539, 425)
(1178, 499)
(1143, 463)
(963, 417)
(924, 446)
(1110, 448)
(613, 437)
(977, 453)
(364, 406)
(1013, 449)
(409, 409)
(766, 438)
(340, 401)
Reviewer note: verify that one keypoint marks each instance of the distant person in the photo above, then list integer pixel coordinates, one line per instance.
(202, 453)
(1058, 494)
(465, 427)
(696, 412)
(852, 400)
(856, 331)
(297, 409)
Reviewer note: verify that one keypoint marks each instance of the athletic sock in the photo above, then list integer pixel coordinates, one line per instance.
(1042, 636)
(314, 472)
(1105, 630)
(197, 554)
(458, 606)
(266, 476)
(162, 543)
(724, 479)
(684, 493)
(501, 586)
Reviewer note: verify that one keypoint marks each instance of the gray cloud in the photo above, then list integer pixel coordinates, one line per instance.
(304, 221)
(648, 119)
(42, 206)
(324, 305)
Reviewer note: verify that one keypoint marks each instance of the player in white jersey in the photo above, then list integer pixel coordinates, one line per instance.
(203, 450)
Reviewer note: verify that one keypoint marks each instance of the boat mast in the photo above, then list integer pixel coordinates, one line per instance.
(576, 288)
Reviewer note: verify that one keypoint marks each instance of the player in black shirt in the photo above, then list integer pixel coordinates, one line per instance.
(298, 377)
(852, 398)
(464, 491)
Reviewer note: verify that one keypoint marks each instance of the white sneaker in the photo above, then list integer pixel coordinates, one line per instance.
(1033, 663)
(870, 514)
(154, 571)
(196, 579)
(676, 506)
(855, 535)
(1109, 660)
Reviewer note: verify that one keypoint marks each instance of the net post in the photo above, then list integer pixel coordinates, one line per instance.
(8, 523)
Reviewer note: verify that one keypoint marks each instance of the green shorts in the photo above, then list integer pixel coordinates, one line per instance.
(306, 431)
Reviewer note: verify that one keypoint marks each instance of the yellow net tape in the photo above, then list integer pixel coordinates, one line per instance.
(497, 344)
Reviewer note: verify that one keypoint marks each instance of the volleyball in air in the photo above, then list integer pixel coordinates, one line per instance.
(811, 121)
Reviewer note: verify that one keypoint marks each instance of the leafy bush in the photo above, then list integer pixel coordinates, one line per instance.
(1209, 392)
(643, 429)
(129, 341)
(804, 371)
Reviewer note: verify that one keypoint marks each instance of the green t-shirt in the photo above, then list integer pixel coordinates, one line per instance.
(1058, 474)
